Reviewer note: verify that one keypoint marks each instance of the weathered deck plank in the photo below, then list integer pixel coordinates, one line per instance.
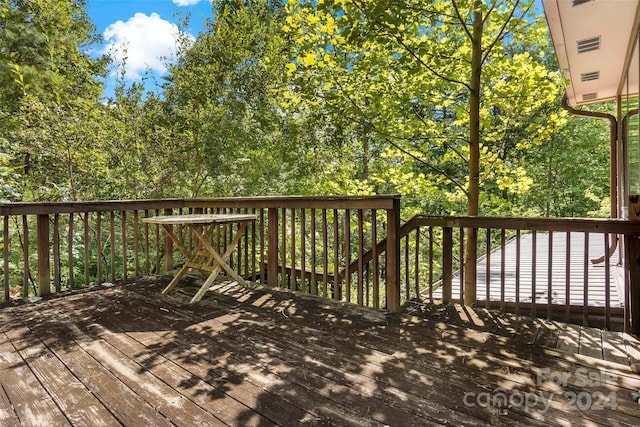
(613, 348)
(69, 394)
(591, 342)
(325, 379)
(569, 339)
(446, 379)
(28, 398)
(257, 357)
(8, 416)
(123, 402)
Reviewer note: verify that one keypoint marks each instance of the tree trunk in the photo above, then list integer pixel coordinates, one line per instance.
(473, 191)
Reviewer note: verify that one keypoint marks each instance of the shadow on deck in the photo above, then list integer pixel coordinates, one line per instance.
(128, 355)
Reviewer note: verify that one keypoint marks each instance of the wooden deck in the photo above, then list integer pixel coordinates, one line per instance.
(564, 251)
(257, 357)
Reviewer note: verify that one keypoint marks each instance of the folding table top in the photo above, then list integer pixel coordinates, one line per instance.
(200, 219)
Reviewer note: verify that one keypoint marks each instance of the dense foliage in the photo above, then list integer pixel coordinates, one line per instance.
(308, 97)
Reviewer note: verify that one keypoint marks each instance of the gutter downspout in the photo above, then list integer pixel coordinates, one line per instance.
(613, 166)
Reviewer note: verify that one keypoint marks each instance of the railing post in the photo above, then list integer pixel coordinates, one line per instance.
(632, 244)
(272, 247)
(44, 273)
(393, 257)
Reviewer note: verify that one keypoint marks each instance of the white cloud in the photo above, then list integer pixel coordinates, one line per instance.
(142, 42)
(186, 2)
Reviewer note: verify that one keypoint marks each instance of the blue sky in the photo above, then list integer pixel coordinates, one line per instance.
(145, 29)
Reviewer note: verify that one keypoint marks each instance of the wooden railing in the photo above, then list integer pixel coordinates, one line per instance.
(523, 261)
(353, 249)
(300, 243)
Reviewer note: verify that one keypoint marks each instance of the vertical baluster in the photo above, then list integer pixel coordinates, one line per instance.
(518, 271)
(136, 243)
(567, 279)
(607, 284)
(447, 264)
(375, 267)
(430, 264)
(314, 281)
(487, 278)
(221, 237)
(550, 276)
(416, 265)
(147, 257)
(461, 269)
(57, 283)
(585, 289)
(503, 257)
(245, 238)
(360, 293)
(406, 268)
(303, 251)
(263, 269)
(124, 244)
(283, 250)
(325, 253)
(5, 255)
(367, 282)
(534, 268)
(254, 255)
(112, 244)
(347, 254)
(239, 247)
(158, 247)
(629, 317)
(25, 254)
(181, 227)
(72, 279)
(98, 247)
(292, 278)
(337, 293)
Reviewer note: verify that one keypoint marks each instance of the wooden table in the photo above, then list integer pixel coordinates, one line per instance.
(203, 256)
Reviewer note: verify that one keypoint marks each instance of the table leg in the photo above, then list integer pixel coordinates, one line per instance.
(221, 262)
(190, 256)
(206, 285)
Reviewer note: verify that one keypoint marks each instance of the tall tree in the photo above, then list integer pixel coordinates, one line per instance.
(47, 80)
(443, 83)
(220, 97)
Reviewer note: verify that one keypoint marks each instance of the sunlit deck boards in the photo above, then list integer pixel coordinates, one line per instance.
(521, 281)
(128, 355)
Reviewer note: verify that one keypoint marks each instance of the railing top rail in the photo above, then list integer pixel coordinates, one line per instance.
(590, 225)
(43, 208)
(320, 202)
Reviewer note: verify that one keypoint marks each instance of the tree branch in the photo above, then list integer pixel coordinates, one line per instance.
(461, 19)
(502, 32)
(422, 162)
(396, 146)
(427, 66)
(486, 17)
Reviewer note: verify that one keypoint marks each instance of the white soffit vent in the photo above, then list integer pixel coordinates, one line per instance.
(589, 96)
(580, 2)
(589, 77)
(589, 45)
